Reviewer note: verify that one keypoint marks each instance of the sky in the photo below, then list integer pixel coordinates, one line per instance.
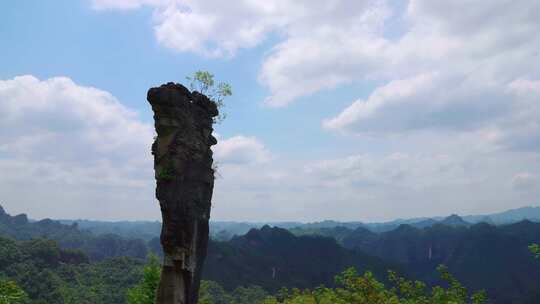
(360, 110)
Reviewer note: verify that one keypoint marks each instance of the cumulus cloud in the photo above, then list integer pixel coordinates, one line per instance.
(326, 49)
(420, 102)
(77, 151)
(58, 137)
(454, 71)
(56, 120)
(399, 97)
(431, 38)
(212, 28)
(217, 28)
(241, 150)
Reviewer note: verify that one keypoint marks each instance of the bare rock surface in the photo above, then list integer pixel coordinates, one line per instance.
(185, 181)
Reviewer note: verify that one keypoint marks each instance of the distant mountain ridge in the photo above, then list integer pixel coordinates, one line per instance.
(453, 220)
(145, 230)
(506, 217)
(482, 256)
(509, 216)
(269, 256)
(225, 230)
(96, 247)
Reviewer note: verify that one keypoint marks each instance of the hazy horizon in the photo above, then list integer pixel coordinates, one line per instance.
(276, 221)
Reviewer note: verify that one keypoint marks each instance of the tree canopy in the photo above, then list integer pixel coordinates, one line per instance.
(11, 293)
(366, 289)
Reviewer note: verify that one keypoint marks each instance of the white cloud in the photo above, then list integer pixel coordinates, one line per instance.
(401, 96)
(325, 51)
(454, 69)
(211, 28)
(73, 145)
(214, 28)
(72, 151)
(432, 37)
(426, 101)
(58, 120)
(217, 28)
(241, 149)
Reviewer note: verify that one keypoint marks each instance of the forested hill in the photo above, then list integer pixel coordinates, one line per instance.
(51, 275)
(273, 257)
(482, 256)
(96, 247)
(56, 262)
(45, 256)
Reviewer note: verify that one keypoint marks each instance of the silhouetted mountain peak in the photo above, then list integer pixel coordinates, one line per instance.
(454, 220)
(48, 223)
(20, 219)
(267, 234)
(17, 220)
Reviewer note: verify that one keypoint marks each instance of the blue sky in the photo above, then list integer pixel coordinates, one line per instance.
(349, 111)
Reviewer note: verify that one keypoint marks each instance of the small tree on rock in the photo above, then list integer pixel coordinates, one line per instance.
(203, 82)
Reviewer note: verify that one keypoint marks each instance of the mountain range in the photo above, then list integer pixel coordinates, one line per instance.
(225, 230)
(481, 255)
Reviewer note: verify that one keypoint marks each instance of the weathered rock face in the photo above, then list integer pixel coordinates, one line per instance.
(185, 181)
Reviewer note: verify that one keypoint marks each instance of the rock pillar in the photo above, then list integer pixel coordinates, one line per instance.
(185, 181)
